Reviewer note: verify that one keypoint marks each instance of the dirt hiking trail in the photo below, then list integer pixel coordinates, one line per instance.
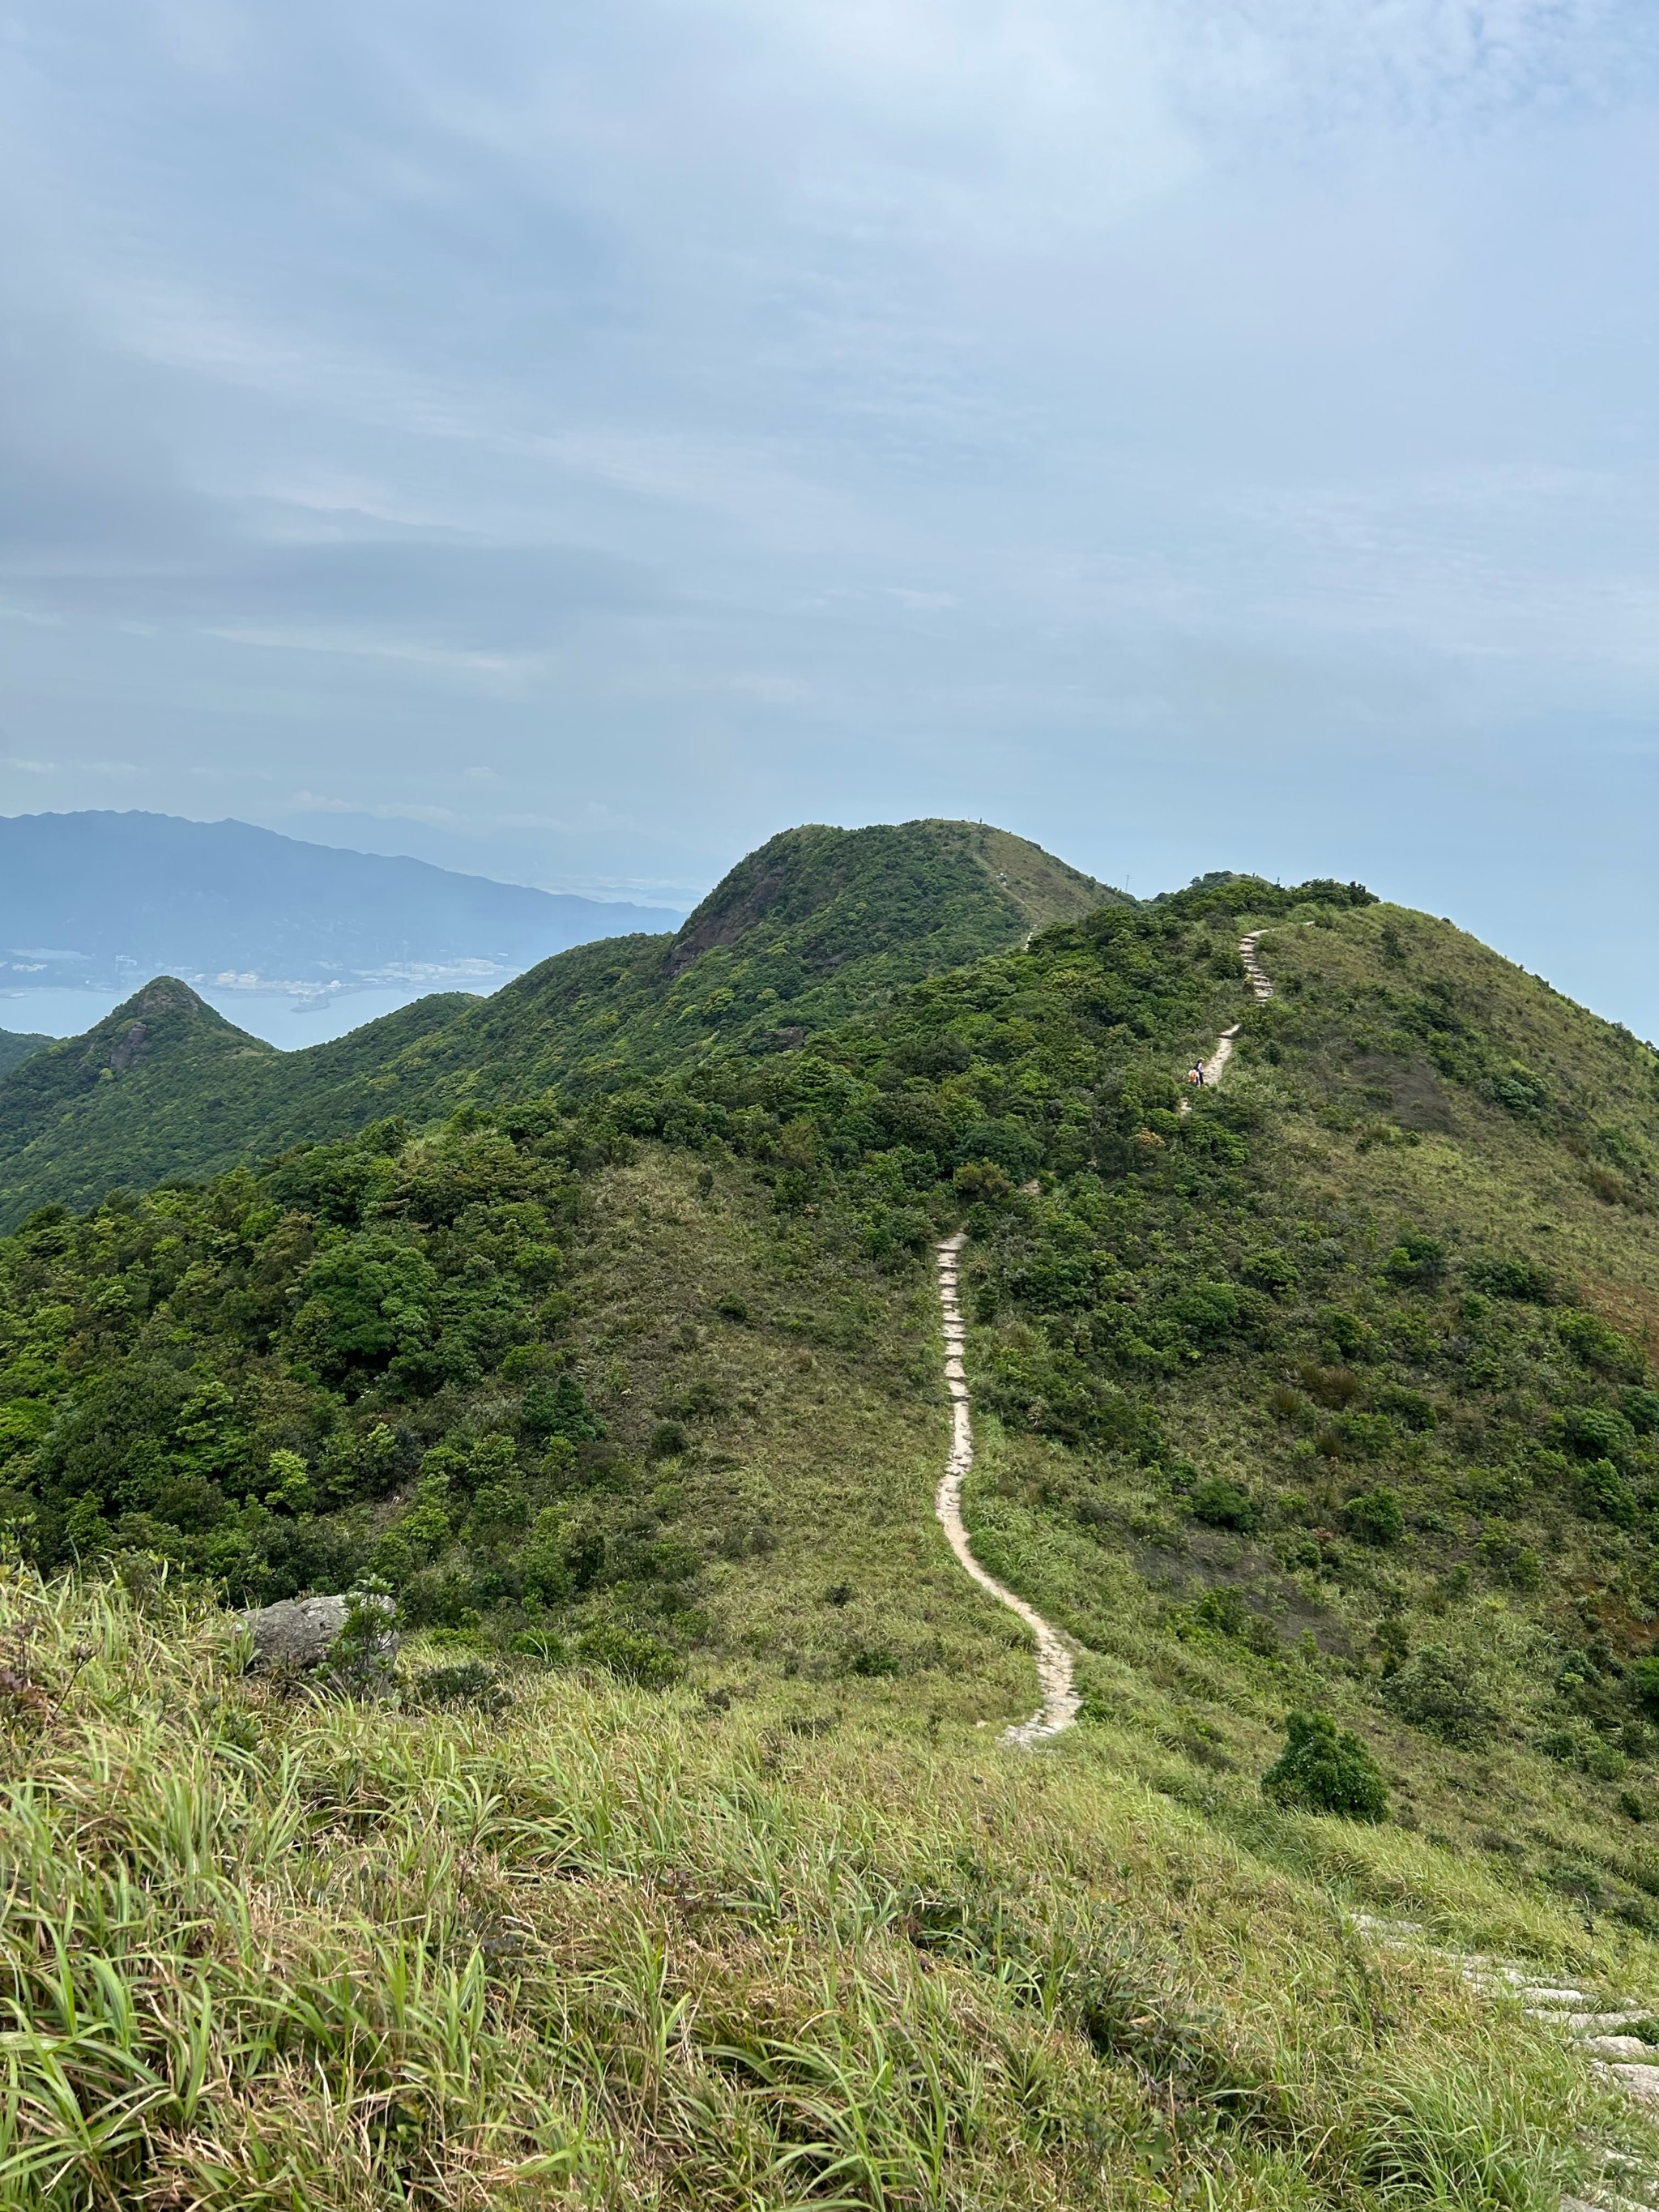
(1055, 1659)
(1625, 2061)
(1216, 1064)
(1054, 1654)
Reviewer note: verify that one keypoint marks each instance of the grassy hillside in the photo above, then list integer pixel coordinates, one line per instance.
(16, 1045)
(1290, 1395)
(1333, 1393)
(815, 925)
(614, 1949)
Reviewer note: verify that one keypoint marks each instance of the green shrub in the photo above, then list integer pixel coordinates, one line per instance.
(1600, 1345)
(1643, 1678)
(1362, 1436)
(1512, 1278)
(1438, 1691)
(1222, 1610)
(1519, 1090)
(1272, 1272)
(631, 1653)
(1417, 1262)
(1325, 1768)
(1207, 1310)
(363, 1655)
(559, 1408)
(540, 1644)
(1375, 1517)
(469, 1682)
(1598, 1433)
(1410, 1408)
(1220, 1504)
(1604, 1491)
(1345, 1332)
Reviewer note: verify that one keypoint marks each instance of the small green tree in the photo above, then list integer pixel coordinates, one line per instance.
(1375, 1518)
(1644, 1681)
(1439, 1690)
(1325, 1768)
(1220, 1504)
(1417, 1262)
(1603, 1491)
(632, 1653)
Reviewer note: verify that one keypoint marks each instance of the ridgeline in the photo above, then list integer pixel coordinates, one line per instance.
(816, 925)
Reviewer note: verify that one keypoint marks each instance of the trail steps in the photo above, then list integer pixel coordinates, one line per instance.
(1624, 2060)
(1055, 1659)
(1055, 1670)
(1620, 2057)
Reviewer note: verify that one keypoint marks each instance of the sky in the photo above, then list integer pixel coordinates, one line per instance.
(573, 444)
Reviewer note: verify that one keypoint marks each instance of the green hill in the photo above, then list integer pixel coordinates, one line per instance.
(1331, 1394)
(816, 924)
(16, 1045)
(165, 1082)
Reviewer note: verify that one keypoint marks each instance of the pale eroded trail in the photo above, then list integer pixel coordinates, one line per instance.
(1056, 1663)
(1624, 2059)
(1054, 1654)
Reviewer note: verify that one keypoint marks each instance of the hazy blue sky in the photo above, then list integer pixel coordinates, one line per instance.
(575, 443)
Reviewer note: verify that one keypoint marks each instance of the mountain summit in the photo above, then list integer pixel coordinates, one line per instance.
(817, 925)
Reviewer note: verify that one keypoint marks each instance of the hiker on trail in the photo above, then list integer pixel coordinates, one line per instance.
(1195, 1073)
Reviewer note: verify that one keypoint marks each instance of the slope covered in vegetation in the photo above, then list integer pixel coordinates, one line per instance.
(16, 1045)
(817, 923)
(165, 1084)
(1344, 1370)
(1331, 1394)
(616, 1949)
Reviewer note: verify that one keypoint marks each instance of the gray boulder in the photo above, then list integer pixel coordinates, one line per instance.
(298, 1634)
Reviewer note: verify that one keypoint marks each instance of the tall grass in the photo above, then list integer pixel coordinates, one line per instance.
(618, 1951)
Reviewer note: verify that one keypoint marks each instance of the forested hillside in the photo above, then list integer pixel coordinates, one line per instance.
(1351, 1360)
(16, 1045)
(1329, 1390)
(816, 924)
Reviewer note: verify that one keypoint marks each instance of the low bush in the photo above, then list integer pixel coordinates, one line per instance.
(1220, 1504)
(1511, 1279)
(1375, 1518)
(1437, 1690)
(632, 1654)
(470, 1682)
(1325, 1768)
(1643, 1678)
(1604, 1491)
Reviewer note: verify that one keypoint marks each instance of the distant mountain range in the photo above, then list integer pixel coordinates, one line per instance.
(107, 900)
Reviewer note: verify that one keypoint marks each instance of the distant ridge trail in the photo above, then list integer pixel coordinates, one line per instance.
(1055, 1657)
(1216, 1065)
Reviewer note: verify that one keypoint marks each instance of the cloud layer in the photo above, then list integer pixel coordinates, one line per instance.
(1192, 433)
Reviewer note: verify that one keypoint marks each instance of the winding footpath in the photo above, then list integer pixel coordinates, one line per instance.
(1055, 1671)
(1625, 2059)
(1216, 1065)
(1055, 1660)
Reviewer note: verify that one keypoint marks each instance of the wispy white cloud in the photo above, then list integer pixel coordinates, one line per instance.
(707, 415)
